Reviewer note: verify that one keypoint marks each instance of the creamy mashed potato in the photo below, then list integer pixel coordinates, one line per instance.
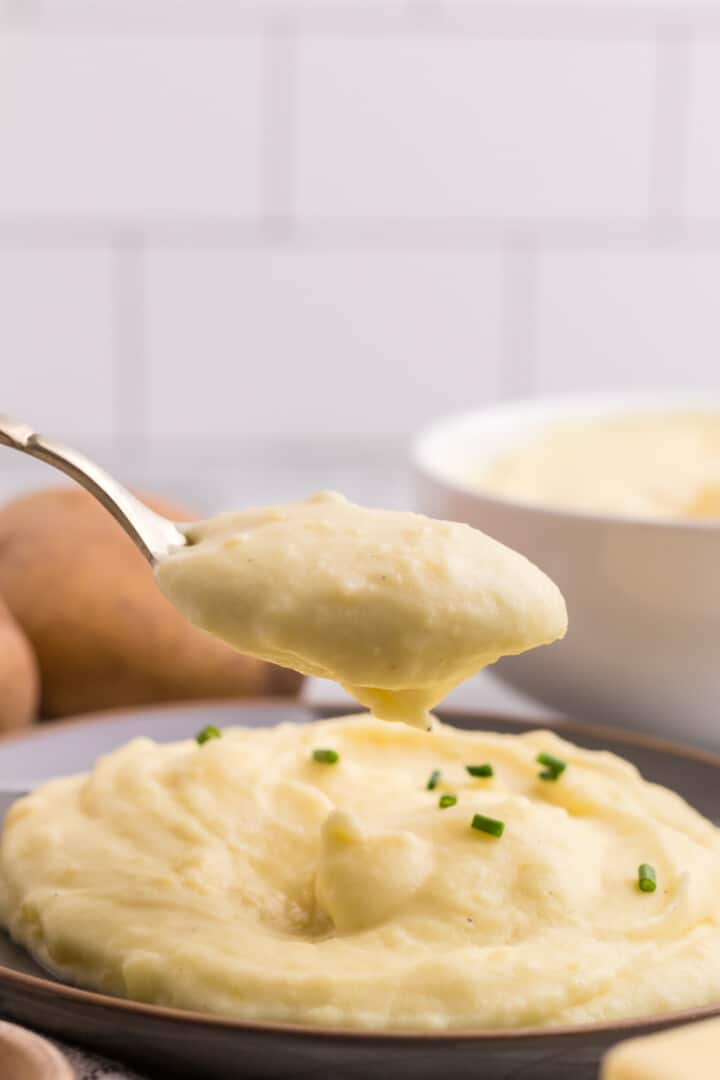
(244, 877)
(651, 465)
(685, 1053)
(396, 607)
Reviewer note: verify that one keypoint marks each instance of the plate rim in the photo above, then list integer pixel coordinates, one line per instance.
(561, 721)
(76, 995)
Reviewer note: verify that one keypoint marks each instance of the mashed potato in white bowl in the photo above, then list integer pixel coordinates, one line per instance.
(617, 498)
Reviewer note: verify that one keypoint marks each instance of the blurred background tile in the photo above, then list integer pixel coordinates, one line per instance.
(328, 223)
(128, 126)
(57, 361)
(437, 127)
(631, 319)
(331, 344)
(703, 196)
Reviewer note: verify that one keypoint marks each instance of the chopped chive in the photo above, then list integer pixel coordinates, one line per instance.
(647, 878)
(480, 770)
(434, 779)
(207, 733)
(488, 825)
(447, 800)
(326, 757)
(554, 766)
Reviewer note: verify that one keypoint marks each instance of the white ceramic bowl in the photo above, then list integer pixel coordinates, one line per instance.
(643, 595)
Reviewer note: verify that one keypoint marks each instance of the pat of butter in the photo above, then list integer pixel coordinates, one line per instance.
(686, 1053)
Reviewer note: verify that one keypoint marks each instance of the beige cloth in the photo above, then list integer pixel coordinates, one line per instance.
(89, 1066)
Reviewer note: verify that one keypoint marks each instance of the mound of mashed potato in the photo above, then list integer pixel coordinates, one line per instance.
(654, 464)
(255, 877)
(396, 607)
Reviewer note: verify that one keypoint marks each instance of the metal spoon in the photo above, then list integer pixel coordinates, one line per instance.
(153, 534)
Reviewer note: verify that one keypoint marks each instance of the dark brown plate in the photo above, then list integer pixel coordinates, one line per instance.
(171, 1043)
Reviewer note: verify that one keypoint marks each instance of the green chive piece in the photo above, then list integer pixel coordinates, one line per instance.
(447, 800)
(647, 878)
(434, 779)
(554, 766)
(326, 757)
(488, 825)
(208, 733)
(480, 770)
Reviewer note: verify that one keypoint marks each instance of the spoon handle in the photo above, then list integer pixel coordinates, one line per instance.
(153, 534)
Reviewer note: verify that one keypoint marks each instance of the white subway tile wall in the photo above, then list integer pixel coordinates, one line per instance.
(226, 220)
(292, 343)
(57, 360)
(703, 196)
(467, 127)
(628, 319)
(103, 127)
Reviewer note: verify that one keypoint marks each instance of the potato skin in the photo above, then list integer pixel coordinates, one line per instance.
(103, 633)
(19, 677)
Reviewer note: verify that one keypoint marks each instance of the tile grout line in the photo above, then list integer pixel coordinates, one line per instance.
(519, 312)
(670, 126)
(278, 167)
(129, 343)
(370, 234)
(17, 13)
(446, 18)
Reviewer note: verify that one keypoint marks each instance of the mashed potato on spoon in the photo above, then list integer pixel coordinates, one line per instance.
(397, 607)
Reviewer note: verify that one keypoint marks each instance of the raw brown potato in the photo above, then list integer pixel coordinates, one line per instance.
(19, 681)
(103, 633)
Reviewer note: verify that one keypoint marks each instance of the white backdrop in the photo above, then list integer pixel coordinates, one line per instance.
(289, 233)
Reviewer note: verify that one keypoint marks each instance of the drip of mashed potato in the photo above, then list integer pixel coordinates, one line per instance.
(647, 465)
(243, 877)
(396, 607)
